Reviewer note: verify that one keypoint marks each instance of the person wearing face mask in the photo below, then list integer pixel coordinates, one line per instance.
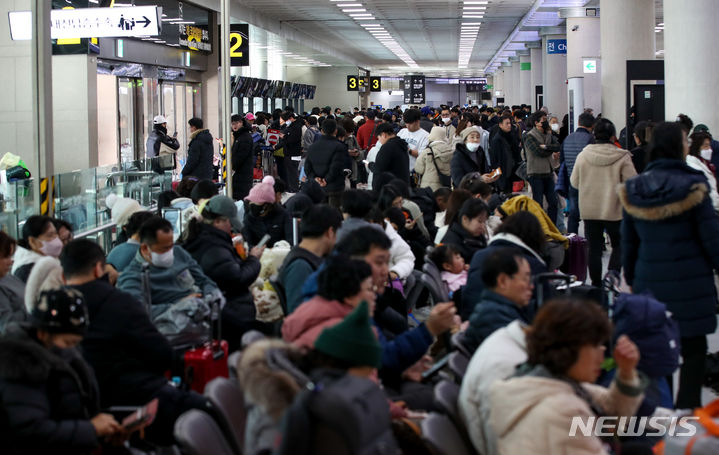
(48, 394)
(699, 158)
(264, 215)
(540, 148)
(291, 143)
(209, 242)
(554, 126)
(172, 275)
(12, 289)
(445, 117)
(39, 238)
(469, 157)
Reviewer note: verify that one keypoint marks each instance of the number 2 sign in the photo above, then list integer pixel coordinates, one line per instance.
(239, 45)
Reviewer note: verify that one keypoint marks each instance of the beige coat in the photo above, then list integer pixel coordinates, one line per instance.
(598, 169)
(534, 415)
(425, 167)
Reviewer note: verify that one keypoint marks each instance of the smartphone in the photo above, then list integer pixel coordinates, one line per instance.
(263, 240)
(496, 173)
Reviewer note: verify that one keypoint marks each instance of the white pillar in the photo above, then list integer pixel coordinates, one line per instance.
(554, 68)
(525, 78)
(627, 33)
(498, 84)
(535, 50)
(583, 45)
(516, 91)
(508, 83)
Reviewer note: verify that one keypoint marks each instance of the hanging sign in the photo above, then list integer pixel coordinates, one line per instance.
(105, 22)
(239, 45)
(354, 83)
(375, 84)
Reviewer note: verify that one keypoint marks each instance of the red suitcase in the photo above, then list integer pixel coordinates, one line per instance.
(209, 361)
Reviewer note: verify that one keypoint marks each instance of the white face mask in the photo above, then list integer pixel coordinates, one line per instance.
(706, 154)
(163, 260)
(288, 122)
(52, 248)
(555, 127)
(472, 146)
(446, 120)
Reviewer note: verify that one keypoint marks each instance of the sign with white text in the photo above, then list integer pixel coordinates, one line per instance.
(105, 22)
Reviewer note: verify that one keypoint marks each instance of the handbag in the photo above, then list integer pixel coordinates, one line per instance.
(444, 180)
(522, 170)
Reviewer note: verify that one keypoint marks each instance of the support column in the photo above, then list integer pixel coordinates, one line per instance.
(508, 83)
(583, 45)
(554, 71)
(525, 78)
(498, 84)
(535, 78)
(627, 33)
(516, 92)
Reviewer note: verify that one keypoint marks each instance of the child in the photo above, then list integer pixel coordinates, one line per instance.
(441, 196)
(450, 262)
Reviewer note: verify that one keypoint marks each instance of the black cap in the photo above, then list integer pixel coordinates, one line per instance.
(61, 311)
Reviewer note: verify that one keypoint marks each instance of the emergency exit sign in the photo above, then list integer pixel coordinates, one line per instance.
(590, 66)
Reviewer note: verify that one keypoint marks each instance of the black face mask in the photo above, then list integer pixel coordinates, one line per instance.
(259, 210)
(545, 126)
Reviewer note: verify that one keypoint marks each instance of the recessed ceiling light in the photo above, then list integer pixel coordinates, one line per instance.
(348, 5)
(482, 8)
(354, 10)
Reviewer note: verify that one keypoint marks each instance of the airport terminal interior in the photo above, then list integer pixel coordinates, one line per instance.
(437, 227)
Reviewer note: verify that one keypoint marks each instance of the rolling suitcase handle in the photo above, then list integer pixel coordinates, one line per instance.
(542, 278)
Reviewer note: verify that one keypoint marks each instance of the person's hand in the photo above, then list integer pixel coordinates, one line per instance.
(488, 178)
(409, 224)
(626, 355)
(555, 155)
(105, 425)
(393, 276)
(414, 373)
(321, 181)
(414, 153)
(257, 252)
(112, 274)
(441, 318)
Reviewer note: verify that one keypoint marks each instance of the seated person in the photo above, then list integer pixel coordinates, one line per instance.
(356, 206)
(64, 230)
(441, 198)
(508, 290)
(127, 353)
(47, 392)
(342, 284)
(39, 239)
(121, 256)
(318, 229)
(174, 278)
(209, 242)
(468, 231)
(565, 352)
(265, 215)
(451, 264)
(521, 231)
(121, 209)
(12, 289)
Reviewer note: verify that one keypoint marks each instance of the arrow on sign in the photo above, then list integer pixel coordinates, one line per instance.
(146, 21)
(590, 66)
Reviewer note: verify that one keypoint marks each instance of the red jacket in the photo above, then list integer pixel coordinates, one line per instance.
(365, 137)
(305, 324)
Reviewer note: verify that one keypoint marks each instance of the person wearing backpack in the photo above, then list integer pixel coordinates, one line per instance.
(433, 163)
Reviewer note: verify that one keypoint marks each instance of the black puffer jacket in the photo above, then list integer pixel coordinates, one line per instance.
(463, 163)
(277, 223)
(326, 159)
(243, 162)
(47, 398)
(199, 156)
(464, 241)
(393, 157)
(122, 345)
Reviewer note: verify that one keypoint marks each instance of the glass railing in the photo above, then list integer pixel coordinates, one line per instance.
(79, 196)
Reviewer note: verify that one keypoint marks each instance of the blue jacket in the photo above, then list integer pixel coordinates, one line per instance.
(122, 255)
(169, 285)
(670, 242)
(491, 313)
(572, 145)
(472, 291)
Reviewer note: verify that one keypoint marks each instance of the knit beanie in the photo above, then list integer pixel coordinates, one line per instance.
(121, 208)
(466, 132)
(263, 192)
(352, 340)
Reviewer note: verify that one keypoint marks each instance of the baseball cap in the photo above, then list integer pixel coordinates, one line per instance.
(224, 206)
(426, 110)
(250, 117)
(159, 120)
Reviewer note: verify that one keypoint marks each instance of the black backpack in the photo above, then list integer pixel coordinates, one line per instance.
(338, 414)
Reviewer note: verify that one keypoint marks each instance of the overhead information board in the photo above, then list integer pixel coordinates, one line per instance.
(414, 89)
(239, 45)
(105, 22)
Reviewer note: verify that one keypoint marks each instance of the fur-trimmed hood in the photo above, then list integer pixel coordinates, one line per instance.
(666, 189)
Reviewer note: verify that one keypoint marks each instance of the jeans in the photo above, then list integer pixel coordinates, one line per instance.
(543, 187)
(573, 223)
(691, 374)
(594, 231)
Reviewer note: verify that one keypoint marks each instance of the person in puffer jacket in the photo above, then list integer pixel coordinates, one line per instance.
(438, 151)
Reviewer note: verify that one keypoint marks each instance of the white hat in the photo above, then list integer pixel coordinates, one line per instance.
(121, 208)
(159, 120)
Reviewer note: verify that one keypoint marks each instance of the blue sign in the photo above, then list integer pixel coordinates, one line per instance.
(556, 46)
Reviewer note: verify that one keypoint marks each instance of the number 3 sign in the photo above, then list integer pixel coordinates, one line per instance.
(239, 45)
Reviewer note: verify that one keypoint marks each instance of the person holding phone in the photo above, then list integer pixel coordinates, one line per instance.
(159, 143)
(264, 215)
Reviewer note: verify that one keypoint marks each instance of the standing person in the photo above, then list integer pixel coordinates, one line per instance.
(366, 134)
(434, 160)
(243, 157)
(539, 149)
(426, 123)
(12, 289)
(568, 153)
(354, 151)
(48, 393)
(291, 142)
(160, 143)
(311, 134)
(393, 155)
(642, 135)
(325, 163)
(670, 247)
(469, 157)
(416, 137)
(500, 154)
(200, 152)
(699, 158)
(599, 167)
(445, 117)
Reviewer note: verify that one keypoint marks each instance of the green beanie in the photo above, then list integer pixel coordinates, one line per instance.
(352, 340)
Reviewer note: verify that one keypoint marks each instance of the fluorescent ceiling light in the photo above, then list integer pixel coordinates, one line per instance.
(348, 5)
(475, 8)
(476, 3)
(354, 10)
(371, 25)
(470, 23)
